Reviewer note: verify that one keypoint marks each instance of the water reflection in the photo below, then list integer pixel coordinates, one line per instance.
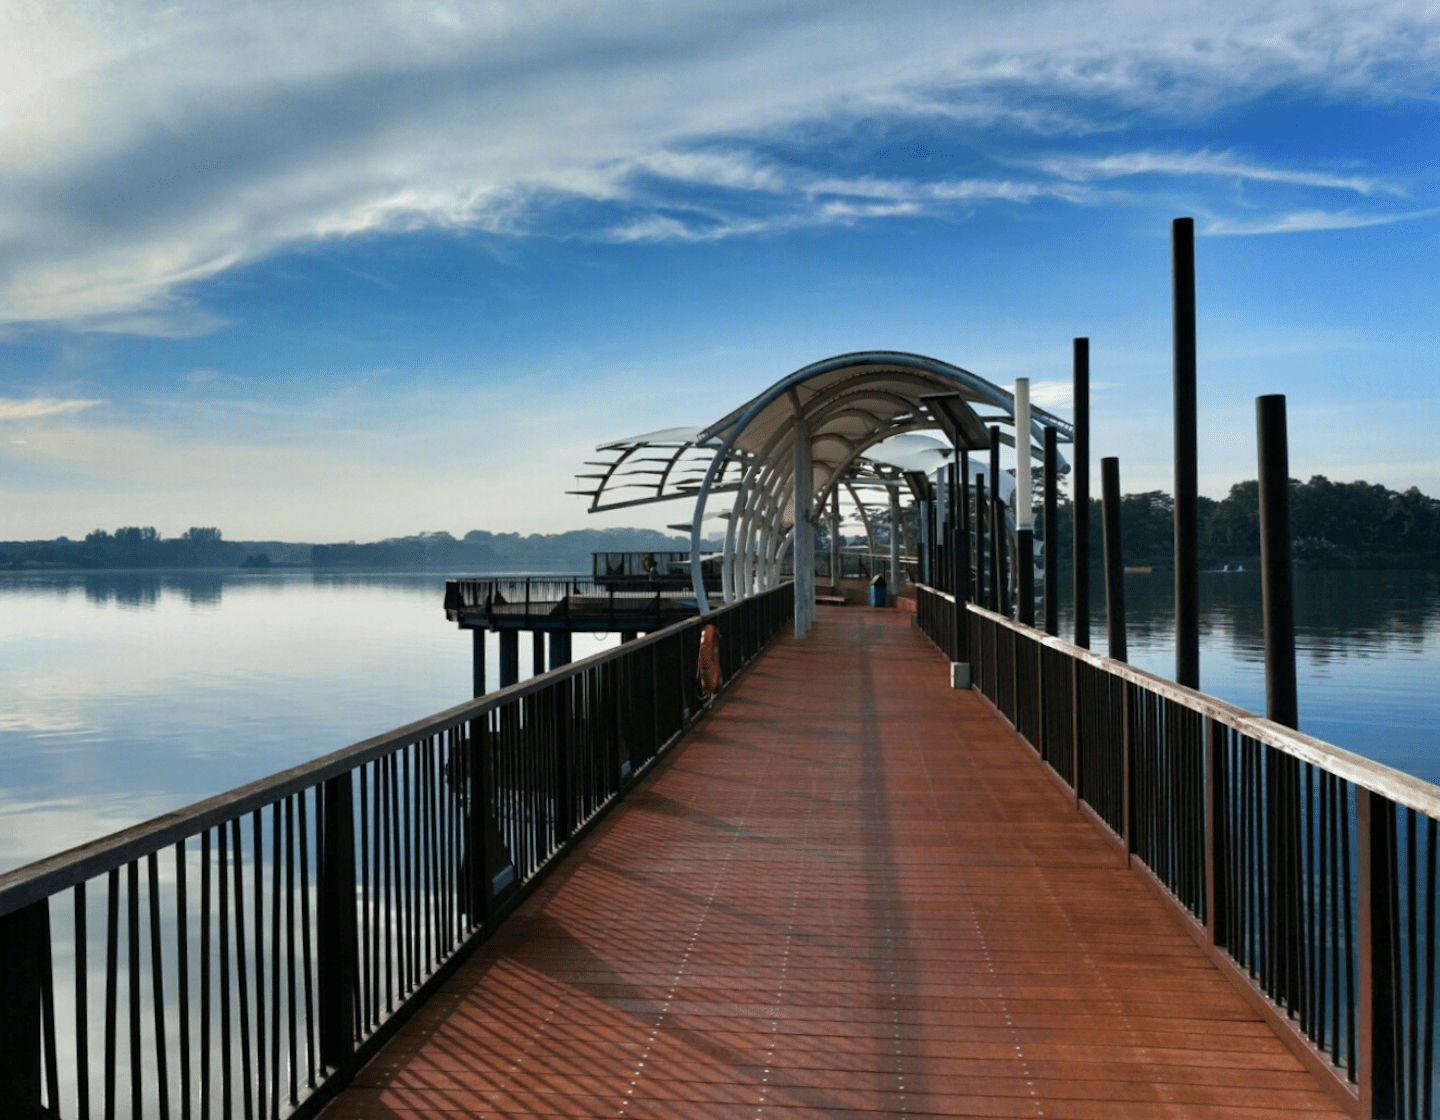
(1337, 614)
(1367, 653)
(125, 694)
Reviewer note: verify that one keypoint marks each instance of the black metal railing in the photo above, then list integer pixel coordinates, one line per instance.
(1309, 873)
(243, 956)
(570, 601)
(854, 564)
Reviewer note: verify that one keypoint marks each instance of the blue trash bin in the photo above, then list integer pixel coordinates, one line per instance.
(877, 591)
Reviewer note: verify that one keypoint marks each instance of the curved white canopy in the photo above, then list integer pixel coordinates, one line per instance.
(781, 454)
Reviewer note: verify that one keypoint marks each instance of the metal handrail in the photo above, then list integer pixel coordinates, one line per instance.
(360, 879)
(1298, 864)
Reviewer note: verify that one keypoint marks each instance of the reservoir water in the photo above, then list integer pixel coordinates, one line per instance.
(127, 694)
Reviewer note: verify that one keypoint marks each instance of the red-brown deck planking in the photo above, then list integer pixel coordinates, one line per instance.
(852, 892)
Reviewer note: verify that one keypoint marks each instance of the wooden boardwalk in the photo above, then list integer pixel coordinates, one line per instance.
(852, 893)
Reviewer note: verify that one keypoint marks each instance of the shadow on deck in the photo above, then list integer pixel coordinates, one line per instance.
(851, 892)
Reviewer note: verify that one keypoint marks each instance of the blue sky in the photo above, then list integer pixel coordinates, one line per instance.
(334, 272)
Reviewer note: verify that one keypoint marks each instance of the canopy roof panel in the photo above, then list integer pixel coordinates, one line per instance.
(849, 404)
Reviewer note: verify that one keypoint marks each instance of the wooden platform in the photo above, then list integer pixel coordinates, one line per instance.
(853, 893)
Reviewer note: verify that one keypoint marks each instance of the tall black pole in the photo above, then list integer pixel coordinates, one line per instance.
(962, 565)
(1050, 523)
(981, 595)
(1114, 558)
(1276, 590)
(1187, 565)
(1081, 493)
(997, 526)
(964, 549)
(1025, 576)
(952, 532)
(931, 573)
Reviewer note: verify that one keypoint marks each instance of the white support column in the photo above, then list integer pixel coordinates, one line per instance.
(804, 528)
(1023, 517)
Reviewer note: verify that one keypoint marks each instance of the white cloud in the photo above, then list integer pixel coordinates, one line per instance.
(1060, 394)
(145, 148)
(1304, 221)
(36, 407)
(1224, 164)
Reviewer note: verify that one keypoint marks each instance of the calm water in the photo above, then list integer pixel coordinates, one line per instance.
(124, 695)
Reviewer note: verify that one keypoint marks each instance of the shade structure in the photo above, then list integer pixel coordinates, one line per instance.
(841, 408)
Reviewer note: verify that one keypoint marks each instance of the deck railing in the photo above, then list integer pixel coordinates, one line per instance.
(539, 596)
(244, 956)
(1306, 871)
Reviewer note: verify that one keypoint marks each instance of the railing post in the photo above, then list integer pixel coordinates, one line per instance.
(24, 959)
(335, 922)
(1075, 725)
(1215, 839)
(1127, 770)
(565, 760)
(1375, 909)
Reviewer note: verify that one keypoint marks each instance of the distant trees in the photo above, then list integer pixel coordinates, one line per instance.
(1333, 525)
(480, 550)
(131, 546)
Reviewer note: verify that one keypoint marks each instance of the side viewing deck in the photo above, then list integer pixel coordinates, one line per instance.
(849, 892)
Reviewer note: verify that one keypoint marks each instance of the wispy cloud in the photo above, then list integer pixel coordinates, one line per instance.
(147, 148)
(1206, 163)
(1305, 221)
(1060, 394)
(36, 407)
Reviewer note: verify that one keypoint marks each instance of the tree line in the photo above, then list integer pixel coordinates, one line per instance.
(205, 547)
(1333, 526)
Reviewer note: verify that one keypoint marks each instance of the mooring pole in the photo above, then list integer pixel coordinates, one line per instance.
(804, 543)
(927, 577)
(997, 526)
(1114, 558)
(1051, 524)
(1276, 588)
(1024, 515)
(1080, 510)
(966, 529)
(537, 658)
(1187, 565)
(952, 531)
(982, 596)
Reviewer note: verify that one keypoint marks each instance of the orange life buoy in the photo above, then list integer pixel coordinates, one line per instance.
(707, 667)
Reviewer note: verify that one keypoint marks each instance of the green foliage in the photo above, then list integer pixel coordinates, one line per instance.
(1333, 525)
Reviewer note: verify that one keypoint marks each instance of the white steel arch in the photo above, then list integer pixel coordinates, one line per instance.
(823, 418)
(841, 407)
